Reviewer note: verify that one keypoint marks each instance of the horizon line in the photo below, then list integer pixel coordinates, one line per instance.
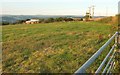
(53, 15)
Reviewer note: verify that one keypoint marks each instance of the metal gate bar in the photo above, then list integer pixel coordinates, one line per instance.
(87, 64)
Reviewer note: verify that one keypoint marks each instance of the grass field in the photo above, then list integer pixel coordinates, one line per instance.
(53, 47)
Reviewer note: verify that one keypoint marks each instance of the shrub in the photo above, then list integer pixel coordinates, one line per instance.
(68, 19)
(59, 19)
(5, 23)
(20, 21)
(106, 20)
(49, 20)
(41, 20)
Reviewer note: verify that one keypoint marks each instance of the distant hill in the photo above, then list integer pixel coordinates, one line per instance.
(14, 18)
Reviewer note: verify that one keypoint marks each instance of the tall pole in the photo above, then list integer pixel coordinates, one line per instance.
(89, 11)
(93, 8)
(119, 25)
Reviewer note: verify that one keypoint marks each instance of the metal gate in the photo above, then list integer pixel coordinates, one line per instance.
(110, 62)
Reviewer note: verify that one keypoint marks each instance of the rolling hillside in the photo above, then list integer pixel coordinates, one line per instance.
(53, 47)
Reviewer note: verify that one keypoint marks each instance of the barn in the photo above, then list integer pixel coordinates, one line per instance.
(32, 21)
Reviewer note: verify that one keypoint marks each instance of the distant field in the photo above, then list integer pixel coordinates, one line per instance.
(52, 47)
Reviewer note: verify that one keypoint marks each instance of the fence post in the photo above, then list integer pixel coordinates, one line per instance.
(118, 17)
(117, 40)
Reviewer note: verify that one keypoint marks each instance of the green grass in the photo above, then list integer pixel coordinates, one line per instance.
(53, 47)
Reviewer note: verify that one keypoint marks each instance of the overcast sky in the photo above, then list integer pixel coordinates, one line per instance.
(58, 7)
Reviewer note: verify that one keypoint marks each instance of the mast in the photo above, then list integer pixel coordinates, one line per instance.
(93, 8)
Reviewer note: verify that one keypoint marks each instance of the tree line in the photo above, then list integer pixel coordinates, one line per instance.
(49, 20)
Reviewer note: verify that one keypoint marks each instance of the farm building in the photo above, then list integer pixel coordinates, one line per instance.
(32, 21)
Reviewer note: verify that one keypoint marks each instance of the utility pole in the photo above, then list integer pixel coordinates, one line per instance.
(93, 8)
(89, 12)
